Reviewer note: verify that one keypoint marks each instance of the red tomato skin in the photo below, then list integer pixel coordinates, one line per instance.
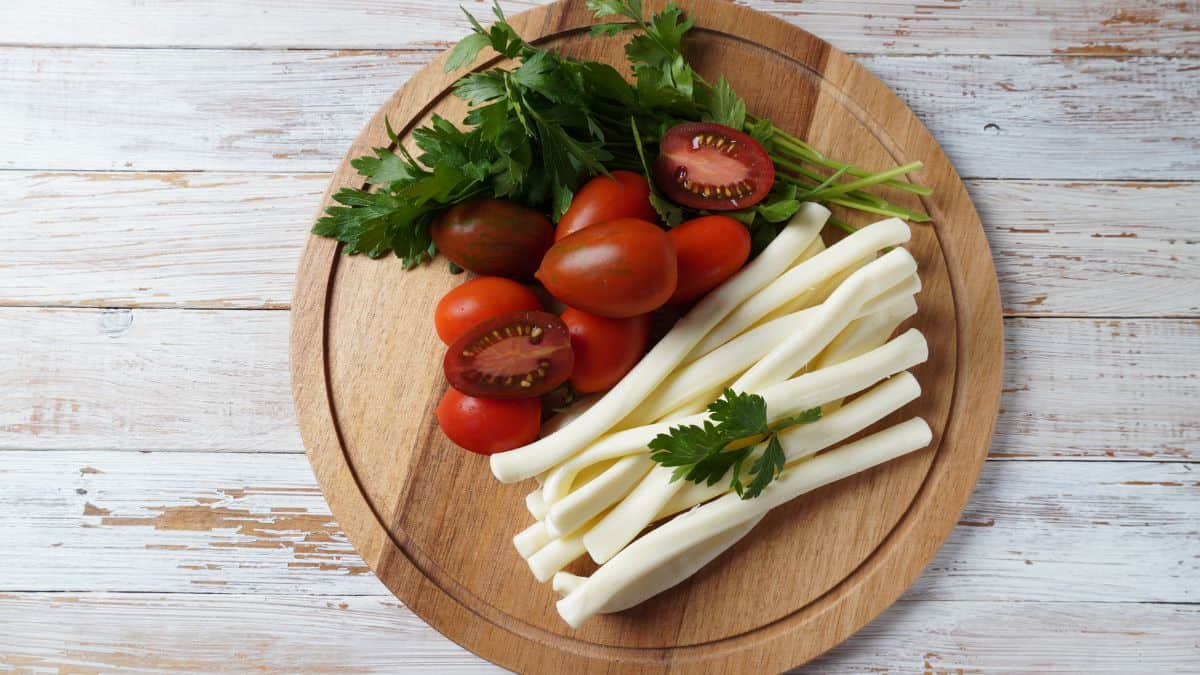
(624, 194)
(605, 349)
(492, 237)
(487, 426)
(709, 249)
(722, 159)
(617, 269)
(478, 300)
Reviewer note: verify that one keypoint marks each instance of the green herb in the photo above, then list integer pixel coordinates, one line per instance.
(700, 454)
(535, 132)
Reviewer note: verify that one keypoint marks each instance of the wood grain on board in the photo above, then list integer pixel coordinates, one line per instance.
(1081, 27)
(384, 469)
(228, 240)
(227, 523)
(200, 380)
(377, 634)
(286, 111)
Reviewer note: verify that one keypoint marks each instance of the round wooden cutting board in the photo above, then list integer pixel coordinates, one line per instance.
(436, 527)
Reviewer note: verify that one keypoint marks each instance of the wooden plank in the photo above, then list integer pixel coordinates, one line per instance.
(75, 632)
(1055, 244)
(153, 239)
(146, 380)
(284, 111)
(859, 26)
(232, 240)
(1099, 388)
(218, 381)
(226, 523)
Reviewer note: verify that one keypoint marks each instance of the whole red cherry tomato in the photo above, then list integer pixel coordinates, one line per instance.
(493, 237)
(605, 349)
(479, 300)
(624, 194)
(617, 269)
(487, 426)
(710, 250)
(713, 167)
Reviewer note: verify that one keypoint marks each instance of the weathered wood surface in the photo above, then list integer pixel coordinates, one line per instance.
(859, 26)
(1001, 117)
(216, 381)
(145, 380)
(233, 240)
(106, 632)
(212, 380)
(202, 522)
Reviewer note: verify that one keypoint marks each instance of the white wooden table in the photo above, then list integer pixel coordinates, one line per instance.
(159, 166)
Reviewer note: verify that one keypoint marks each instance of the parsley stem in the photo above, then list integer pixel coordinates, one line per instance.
(797, 149)
(867, 181)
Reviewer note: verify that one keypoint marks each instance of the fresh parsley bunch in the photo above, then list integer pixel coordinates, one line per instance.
(537, 131)
(720, 447)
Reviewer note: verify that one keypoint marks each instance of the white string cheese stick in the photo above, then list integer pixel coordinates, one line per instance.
(629, 576)
(546, 452)
(679, 568)
(585, 503)
(679, 393)
(536, 505)
(554, 556)
(801, 278)
(531, 539)
(564, 583)
(866, 333)
(835, 313)
(819, 294)
(805, 440)
(783, 399)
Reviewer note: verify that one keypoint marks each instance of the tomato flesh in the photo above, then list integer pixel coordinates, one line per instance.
(478, 300)
(517, 355)
(617, 269)
(623, 194)
(713, 167)
(605, 349)
(710, 249)
(487, 426)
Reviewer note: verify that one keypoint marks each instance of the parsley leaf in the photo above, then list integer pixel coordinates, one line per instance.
(466, 50)
(741, 415)
(701, 454)
(725, 106)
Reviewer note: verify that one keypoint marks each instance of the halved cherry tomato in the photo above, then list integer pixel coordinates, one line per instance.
(487, 425)
(713, 167)
(479, 300)
(710, 250)
(605, 349)
(624, 194)
(493, 237)
(517, 355)
(617, 269)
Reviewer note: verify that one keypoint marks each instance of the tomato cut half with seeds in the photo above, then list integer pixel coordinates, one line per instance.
(713, 167)
(517, 355)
